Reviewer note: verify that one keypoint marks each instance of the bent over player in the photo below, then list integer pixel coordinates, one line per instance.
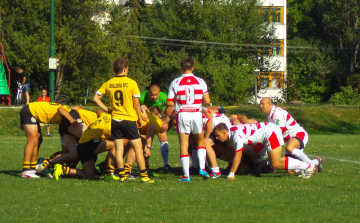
(124, 94)
(31, 115)
(267, 134)
(294, 135)
(188, 92)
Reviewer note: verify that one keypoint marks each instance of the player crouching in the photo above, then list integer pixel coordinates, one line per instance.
(267, 134)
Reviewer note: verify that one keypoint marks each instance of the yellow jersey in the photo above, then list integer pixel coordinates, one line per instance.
(47, 113)
(120, 90)
(99, 129)
(152, 120)
(88, 117)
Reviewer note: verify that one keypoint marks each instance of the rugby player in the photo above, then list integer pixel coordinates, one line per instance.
(187, 93)
(69, 136)
(124, 94)
(266, 134)
(150, 98)
(154, 125)
(294, 135)
(93, 141)
(31, 115)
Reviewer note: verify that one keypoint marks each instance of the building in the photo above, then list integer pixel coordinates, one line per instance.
(272, 83)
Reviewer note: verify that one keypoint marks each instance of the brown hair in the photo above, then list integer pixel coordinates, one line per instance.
(155, 110)
(119, 64)
(18, 69)
(220, 127)
(187, 64)
(165, 118)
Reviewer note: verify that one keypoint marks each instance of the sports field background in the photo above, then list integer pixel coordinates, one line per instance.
(331, 196)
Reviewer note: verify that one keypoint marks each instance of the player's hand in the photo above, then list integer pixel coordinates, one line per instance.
(253, 121)
(74, 122)
(110, 110)
(144, 117)
(75, 107)
(231, 178)
(147, 153)
(139, 123)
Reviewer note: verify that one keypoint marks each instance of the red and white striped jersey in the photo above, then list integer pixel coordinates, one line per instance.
(285, 121)
(217, 119)
(245, 134)
(187, 91)
(266, 134)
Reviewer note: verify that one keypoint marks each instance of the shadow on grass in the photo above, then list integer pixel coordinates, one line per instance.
(14, 173)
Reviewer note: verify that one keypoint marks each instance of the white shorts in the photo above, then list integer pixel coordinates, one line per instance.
(270, 136)
(189, 122)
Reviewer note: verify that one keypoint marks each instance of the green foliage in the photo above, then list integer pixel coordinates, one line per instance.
(225, 69)
(307, 72)
(348, 96)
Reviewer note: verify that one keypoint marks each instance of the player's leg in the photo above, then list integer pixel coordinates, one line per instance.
(212, 158)
(295, 148)
(77, 130)
(201, 152)
(71, 143)
(31, 132)
(48, 130)
(34, 155)
(184, 155)
(139, 153)
(164, 149)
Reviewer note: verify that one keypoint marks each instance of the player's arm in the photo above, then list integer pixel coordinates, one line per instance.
(239, 147)
(171, 95)
(23, 80)
(98, 112)
(209, 123)
(98, 102)
(144, 110)
(149, 139)
(235, 165)
(138, 110)
(64, 113)
(206, 99)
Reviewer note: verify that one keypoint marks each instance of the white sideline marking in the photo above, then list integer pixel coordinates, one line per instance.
(341, 160)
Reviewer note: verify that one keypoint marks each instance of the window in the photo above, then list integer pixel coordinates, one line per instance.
(276, 14)
(271, 79)
(278, 47)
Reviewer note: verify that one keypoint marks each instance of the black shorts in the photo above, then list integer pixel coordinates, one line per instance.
(27, 118)
(301, 142)
(86, 150)
(124, 129)
(64, 124)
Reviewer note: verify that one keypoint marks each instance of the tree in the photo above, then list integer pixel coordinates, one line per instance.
(340, 19)
(227, 68)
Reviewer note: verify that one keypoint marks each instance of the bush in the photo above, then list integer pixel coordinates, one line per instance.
(348, 96)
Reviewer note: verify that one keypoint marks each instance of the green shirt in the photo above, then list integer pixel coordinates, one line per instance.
(160, 102)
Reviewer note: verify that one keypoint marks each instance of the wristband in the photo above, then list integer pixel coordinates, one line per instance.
(149, 147)
(231, 174)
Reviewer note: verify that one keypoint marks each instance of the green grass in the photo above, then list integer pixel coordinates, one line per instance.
(330, 196)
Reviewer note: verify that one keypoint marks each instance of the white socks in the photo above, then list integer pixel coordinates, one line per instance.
(164, 148)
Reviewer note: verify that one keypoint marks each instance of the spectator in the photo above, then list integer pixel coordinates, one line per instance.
(25, 81)
(45, 98)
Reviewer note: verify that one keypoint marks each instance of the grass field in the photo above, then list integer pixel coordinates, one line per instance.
(331, 196)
